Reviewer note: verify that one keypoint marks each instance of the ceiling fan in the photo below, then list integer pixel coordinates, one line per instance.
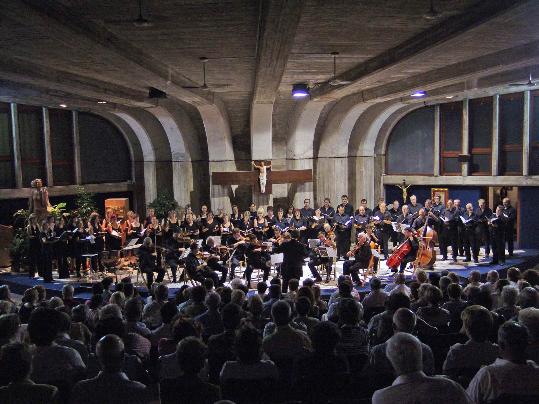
(335, 81)
(141, 21)
(204, 86)
(529, 83)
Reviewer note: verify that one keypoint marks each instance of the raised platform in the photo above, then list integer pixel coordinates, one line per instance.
(524, 259)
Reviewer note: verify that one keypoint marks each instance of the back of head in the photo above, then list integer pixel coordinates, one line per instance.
(191, 354)
(405, 353)
(248, 344)
(421, 276)
(293, 284)
(129, 290)
(111, 311)
(208, 284)
(345, 289)
(161, 293)
(133, 310)
(231, 316)
(15, 362)
(477, 322)
(261, 287)
(213, 300)
(528, 297)
(64, 323)
(396, 301)
(350, 311)
(400, 279)
(375, 283)
(509, 295)
(110, 353)
(68, 291)
(307, 292)
(280, 312)
(43, 326)
(404, 320)
(303, 306)
(454, 291)
(275, 291)
(433, 295)
(475, 276)
(238, 297)
(256, 306)
(9, 325)
(529, 317)
(531, 276)
(198, 293)
(184, 327)
(168, 311)
(513, 340)
(444, 283)
(513, 274)
(325, 337)
(78, 314)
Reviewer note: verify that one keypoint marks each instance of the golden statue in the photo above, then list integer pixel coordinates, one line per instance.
(404, 189)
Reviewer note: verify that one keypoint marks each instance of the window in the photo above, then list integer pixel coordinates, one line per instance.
(450, 138)
(7, 172)
(510, 133)
(534, 134)
(32, 144)
(63, 168)
(102, 146)
(480, 136)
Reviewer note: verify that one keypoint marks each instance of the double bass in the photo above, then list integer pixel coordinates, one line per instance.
(426, 256)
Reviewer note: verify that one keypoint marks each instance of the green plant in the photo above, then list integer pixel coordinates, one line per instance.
(20, 247)
(57, 210)
(20, 218)
(163, 204)
(85, 203)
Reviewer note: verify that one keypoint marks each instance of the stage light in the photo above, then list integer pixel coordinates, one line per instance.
(300, 90)
(63, 106)
(449, 96)
(101, 102)
(418, 94)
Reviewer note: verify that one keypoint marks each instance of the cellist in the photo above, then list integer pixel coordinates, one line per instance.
(413, 246)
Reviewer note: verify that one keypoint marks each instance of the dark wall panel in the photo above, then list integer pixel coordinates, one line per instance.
(61, 124)
(410, 148)
(32, 144)
(528, 199)
(7, 173)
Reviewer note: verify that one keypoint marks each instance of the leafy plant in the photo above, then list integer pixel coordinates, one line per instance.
(20, 218)
(20, 248)
(57, 210)
(163, 204)
(85, 203)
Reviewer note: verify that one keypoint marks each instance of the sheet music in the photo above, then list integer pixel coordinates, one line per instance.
(465, 220)
(142, 232)
(276, 258)
(395, 226)
(115, 233)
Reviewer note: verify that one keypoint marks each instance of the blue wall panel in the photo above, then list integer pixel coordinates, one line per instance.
(529, 219)
(465, 194)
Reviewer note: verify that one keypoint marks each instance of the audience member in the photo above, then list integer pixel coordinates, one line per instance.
(195, 305)
(398, 286)
(151, 314)
(274, 295)
(509, 308)
(169, 311)
(183, 327)
(528, 297)
(210, 321)
(354, 337)
(433, 314)
(492, 277)
(63, 338)
(377, 296)
(529, 318)
(303, 308)
(454, 306)
(513, 275)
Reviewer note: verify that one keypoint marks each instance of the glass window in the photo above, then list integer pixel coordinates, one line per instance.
(480, 134)
(450, 138)
(7, 173)
(510, 132)
(63, 168)
(32, 144)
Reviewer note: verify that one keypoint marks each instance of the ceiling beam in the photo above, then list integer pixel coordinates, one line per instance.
(442, 32)
(32, 74)
(73, 30)
(278, 24)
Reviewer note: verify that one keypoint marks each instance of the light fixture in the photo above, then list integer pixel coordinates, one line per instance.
(418, 94)
(449, 96)
(300, 90)
(63, 106)
(101, 102)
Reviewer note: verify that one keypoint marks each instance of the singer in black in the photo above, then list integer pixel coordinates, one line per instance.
(343, 225)
(482, 233)
(510, 216)
(294, 254)
(497, 227)
(469, 221)
(147, 263)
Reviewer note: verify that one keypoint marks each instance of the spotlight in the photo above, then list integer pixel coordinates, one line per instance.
(449, 96)
(101, 102)
(300, 90)
(63, 106)
(418, 94)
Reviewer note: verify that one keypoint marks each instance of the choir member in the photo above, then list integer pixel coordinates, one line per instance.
(414, 205)
(469, 220)
(482, 234)
(306, 211)
(510, 215)
(497, 226)
(327, 210)
(348, 208)
(343, 225)
(450, 219)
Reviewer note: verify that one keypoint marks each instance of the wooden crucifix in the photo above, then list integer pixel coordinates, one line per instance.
(264, 177)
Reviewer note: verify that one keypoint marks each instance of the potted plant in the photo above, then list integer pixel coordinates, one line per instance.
(163, 204)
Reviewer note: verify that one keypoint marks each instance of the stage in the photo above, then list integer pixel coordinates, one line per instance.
(523, 259)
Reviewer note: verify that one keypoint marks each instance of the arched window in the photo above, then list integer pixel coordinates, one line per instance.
(410, 149)
(104, 153)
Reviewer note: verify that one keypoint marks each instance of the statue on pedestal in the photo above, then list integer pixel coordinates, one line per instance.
(38, 203)
(263, 175)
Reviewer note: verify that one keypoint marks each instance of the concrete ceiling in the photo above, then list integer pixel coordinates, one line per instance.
(90, 49)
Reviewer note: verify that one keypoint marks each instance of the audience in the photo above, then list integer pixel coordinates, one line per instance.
(509, 308)
(211, 321)
(151, 314)
(529, 317)
(377, 296)
(433, 314)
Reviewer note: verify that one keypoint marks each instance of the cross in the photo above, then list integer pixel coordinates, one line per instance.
(251, 178)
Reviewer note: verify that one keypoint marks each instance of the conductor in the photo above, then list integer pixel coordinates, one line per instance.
(294, 254)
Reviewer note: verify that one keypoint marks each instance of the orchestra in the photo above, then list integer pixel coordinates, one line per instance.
(199, 245)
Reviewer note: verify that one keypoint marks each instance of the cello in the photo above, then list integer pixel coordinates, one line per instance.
(426, 256)
(398, 255)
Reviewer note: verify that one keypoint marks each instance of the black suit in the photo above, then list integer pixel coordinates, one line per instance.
(482, 233)
(294, 254)
(361, 261)
(497, 235)
(510, 216)
(147, 265)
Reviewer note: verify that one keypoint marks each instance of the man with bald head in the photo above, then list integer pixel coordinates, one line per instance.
(404, 320)
(111, 385)
(412, 385)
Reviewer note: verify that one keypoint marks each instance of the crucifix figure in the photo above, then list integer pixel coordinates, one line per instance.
(265, 177)
(404, 189)
(262, 175)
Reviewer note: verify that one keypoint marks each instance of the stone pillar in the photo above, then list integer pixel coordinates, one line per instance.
(436, 141)
(364, 176)
(331, 178)
(299, 192)
(495, 134)
(76, 148)
(465, 135)
(220, 194)
(526, 135)
(48, 146)
(16, 146)
(261, 144)
(150, 181)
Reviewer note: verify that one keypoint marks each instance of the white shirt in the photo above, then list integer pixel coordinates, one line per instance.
(504, 377)
(418, 388)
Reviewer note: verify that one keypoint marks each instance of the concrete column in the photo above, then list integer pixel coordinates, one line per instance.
(150, 181)
(495, 134)
(299, 192)
(261, 144)
(220, 194)
(436, 141)
(16, 145)
(331, 178)
(48, 146)
(364, 175)
(526, 135)
(76, 147)
(465, 134)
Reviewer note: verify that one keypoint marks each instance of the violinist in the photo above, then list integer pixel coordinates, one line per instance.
(361, 220)
(173, 249)
(294, 254)
(413, 245)
(362, 255)
(213, 261)
(238, 245)
(147, 263)
(382, 221)
(260, 225)
(343, 225)
(256, 258)
(469, 220)
(327, 210)
(198, 269)
(316, 258)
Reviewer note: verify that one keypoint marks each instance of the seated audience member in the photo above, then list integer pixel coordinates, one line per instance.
(183, 327)
(151, 314)
(528, 297)
(5, 298)
(381, 325)
(249, 365)
(529, 317)
(274, 295)
(285, 342)
(210, 321)
(532, 276)
(404, 321)
(67, 297)
(335, 295)
(118, 298)
(345, 292)
(433, 314)
(354, 337)
(303, 308)
(492, 277)
(497, 293)
(509, 308)
(323, 362)
(195, 305)
(398, 286)
(29, 303)
(169, 311)
(79, 330)
(478, 350)
(63, 338)
(293, 286)
(418, 295)
(17, 358)
(111, 385)
(320, 306)
(9, 328)
(444, 284)
(133, 315)
(52, 363)
(412, 385)
(261, 288)
(455, 306)
(511, 374)
(474, 281)
(513, 275)
(221, 346)
(189, 388)
(256, 306)
(377, 296)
